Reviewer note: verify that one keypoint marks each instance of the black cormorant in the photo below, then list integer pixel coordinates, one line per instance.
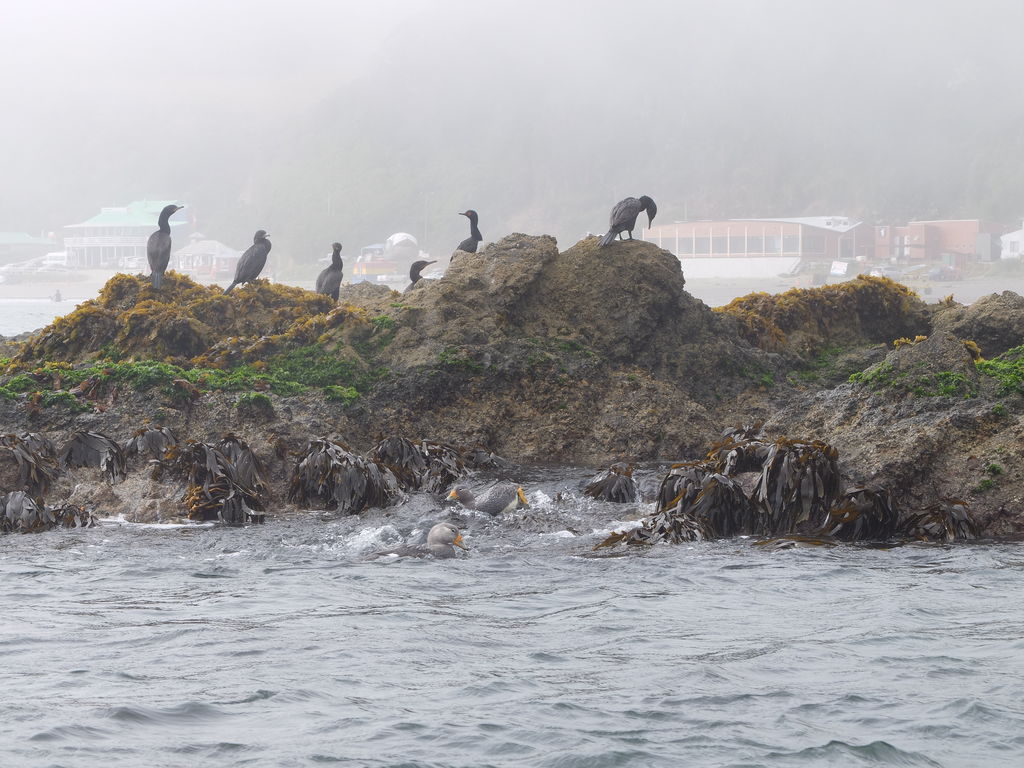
(623, 218)
(252, 261)
(158, 247)
(469, 244)
(414, 272)
(501, 499)
(441, 543)
(328, 281)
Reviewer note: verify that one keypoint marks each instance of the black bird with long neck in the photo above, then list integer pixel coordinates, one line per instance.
(252, 261)
(329, 281)
(414, 271)
(158, 247)
(469, 244)
(623, 218)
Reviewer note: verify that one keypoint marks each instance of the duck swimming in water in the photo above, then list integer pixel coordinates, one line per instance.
(442, 540)
(501, 499)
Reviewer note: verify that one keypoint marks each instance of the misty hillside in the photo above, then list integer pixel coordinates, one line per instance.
(541, 116)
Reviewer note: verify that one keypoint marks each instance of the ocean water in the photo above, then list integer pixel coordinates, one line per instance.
(281, 645)
(21, 315)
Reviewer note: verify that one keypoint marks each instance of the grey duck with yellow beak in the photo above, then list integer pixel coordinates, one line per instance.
(501, 499)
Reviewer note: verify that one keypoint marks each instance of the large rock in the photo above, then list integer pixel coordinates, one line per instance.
(994, 322)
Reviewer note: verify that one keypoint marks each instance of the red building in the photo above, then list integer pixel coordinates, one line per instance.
(953, 242)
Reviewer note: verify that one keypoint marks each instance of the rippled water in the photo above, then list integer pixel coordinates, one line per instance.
(279, 645)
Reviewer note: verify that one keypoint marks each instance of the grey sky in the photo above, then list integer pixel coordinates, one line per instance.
(297, 110)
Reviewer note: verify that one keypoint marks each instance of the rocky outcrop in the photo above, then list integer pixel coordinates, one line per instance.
(994, 322)
(583, 356)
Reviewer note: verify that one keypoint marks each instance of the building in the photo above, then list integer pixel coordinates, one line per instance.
(204, 259)
(1012, 244)
(761, 247)
(18, 246)
(116, 238)
(952, 242)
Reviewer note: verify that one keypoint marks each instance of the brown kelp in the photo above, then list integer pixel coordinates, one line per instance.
(799, 481)
(866, 513)
(795, 499)
(150, 443)
(614, 484)
(34, 464)
(694, 503)
(331, 475)
(93, 449)
(216, 489)
(21, 513)
(946, 520)
(425, 465)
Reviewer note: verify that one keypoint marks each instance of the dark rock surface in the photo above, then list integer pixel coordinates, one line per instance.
(585, 357)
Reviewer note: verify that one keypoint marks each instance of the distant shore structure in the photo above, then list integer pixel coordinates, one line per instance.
(772, 246)
(115, 238)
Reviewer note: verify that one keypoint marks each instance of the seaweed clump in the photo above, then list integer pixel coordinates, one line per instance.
(183, 320)
(225, 482)
(796, 497)
(805, 320)
(329, 474)
(93, 449)
(614, 484)
(426, 465)
(21, 513)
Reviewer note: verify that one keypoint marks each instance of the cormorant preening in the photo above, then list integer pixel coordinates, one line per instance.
(252, 261)
(158, 247)
(329, 280)
(623, 218)
(414, 271)
(502, 498)
(469, 244)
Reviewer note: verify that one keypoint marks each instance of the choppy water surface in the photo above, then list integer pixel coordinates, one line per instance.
(280, 646)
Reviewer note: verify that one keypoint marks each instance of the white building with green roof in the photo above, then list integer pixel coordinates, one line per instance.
(116, 237)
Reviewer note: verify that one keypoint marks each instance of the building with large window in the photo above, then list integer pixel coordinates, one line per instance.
(761, 247)
(116, 237)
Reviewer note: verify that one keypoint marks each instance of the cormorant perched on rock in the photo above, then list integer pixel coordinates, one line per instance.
(158, 247)
(441, 543)
(623, 218)
(414, 272)
(469, 244)
(501, 499)
(328, 281)
(252, 261)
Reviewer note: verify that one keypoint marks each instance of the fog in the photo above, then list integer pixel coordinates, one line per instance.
(322, 121)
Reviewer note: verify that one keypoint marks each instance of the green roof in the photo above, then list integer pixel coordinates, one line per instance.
(20, 238)
(141, 213)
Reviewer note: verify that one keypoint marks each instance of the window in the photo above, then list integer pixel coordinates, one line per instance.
(772, 243)
(736, 244)
(814, 243)
(791, 244)
(685, 246)
(755, 245)
(719, 245)
(702, 245)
